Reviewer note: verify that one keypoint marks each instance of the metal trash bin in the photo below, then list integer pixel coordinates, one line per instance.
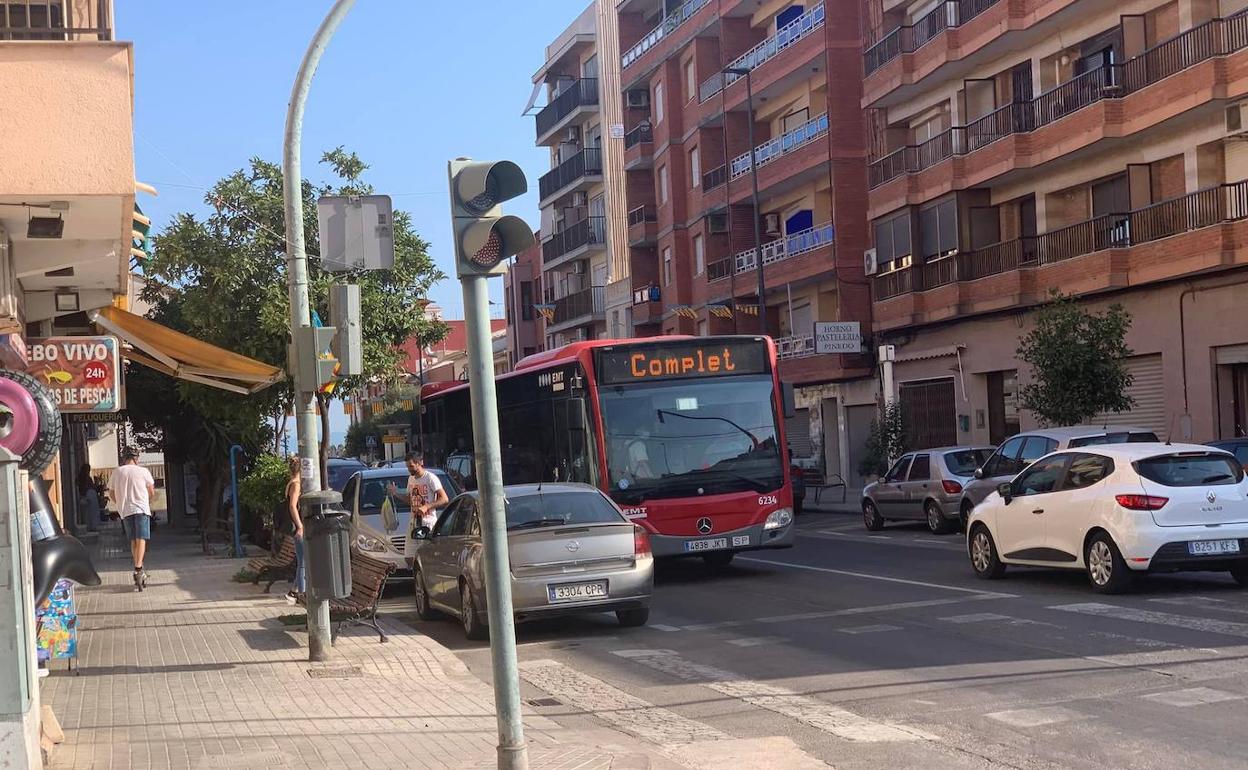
(327, 538)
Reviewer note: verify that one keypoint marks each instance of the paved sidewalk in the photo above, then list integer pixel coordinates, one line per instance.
(197, 672)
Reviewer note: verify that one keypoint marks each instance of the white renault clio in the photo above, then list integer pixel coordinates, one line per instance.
(1116, 511)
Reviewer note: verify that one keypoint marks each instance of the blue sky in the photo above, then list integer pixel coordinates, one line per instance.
(407, 85)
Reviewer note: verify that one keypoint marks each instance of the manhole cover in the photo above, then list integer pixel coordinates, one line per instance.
(336, 673)
(545, 702)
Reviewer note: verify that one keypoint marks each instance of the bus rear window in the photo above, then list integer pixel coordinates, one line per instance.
(1191, 470)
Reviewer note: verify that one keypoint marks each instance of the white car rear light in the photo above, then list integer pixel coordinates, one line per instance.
(1142, 502)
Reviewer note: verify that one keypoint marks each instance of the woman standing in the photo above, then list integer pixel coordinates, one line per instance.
(293, 525)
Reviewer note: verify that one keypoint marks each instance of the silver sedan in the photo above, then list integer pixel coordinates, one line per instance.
(572, 552)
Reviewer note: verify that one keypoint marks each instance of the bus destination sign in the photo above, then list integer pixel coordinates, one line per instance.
(669, 361)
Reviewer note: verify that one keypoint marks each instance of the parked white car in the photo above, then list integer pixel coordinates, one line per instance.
(1116, 511)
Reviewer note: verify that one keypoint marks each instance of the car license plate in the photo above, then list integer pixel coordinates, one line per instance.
(1205, 547)
(571, 592)
(714, 544)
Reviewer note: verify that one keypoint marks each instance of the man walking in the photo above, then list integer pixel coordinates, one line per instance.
(424, 491)
(131, 488)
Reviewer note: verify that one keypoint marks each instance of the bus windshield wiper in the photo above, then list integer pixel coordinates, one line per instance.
(535, 523)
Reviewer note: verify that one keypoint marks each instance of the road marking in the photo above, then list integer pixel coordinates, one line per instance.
(992, 617)
(610, 704)
(756, 641)
(1036, 717)
(1209, 625)
(812, 711)
(860, 537)
(662, 627)
(1196, 696)
(713, 626)
(885, 578)
(869, 629)
(873, 609)
(1207, 602)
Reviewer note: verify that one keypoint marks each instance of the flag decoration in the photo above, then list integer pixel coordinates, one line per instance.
(748, 309)
(547, 312)
(720, 310)
(685, 311)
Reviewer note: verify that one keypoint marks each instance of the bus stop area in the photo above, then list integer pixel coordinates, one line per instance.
(199, 671)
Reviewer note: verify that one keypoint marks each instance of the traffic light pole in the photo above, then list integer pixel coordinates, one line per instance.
(319, 639)
(512, 752)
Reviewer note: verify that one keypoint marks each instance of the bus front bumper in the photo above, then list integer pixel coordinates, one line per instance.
(746, 539)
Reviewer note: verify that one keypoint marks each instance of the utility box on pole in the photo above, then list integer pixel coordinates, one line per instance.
(19, 692)
(344, 315)
(357, 232)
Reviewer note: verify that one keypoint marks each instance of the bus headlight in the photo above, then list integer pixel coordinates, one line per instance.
(781, 517)
(371, 544)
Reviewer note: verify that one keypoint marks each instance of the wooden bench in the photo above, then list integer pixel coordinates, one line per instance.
(368, 581)
(275, 566)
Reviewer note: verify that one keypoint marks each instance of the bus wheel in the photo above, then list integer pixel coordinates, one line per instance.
(719, 559)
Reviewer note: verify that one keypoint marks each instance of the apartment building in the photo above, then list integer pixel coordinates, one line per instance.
(522, 285)
(583, 250)
(688, 72)
(1095, 148)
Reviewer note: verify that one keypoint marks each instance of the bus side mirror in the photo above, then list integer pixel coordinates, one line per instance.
(788, 400)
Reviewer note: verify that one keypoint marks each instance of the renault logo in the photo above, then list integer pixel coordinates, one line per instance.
(704, 525)
(1211, 496)
(573, 545)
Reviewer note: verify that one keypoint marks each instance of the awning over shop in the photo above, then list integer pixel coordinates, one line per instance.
(182, 356)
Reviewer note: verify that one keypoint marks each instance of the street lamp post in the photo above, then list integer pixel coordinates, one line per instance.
(758, 236)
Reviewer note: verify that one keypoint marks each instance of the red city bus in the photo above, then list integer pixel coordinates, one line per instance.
(686, 434)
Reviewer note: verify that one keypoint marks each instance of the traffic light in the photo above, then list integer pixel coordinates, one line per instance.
(318, 367)
(484, 236)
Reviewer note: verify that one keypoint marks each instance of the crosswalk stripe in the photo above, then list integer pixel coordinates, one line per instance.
(756, 641)
(869, 629)
(611, 704)
(1210, 625)
(992, 617)
(812, 711)
(1196, 696)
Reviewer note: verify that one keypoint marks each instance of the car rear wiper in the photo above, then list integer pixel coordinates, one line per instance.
(1217, 477)
(535, 523)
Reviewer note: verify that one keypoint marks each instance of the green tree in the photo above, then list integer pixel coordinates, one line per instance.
(886, 441)
(223, 279)
(1077, 362)
(262, 489)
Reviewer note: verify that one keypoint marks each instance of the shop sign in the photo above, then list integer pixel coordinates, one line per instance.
(83, 373)
(838, 337)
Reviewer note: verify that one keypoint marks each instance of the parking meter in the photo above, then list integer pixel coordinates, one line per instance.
(327, 541)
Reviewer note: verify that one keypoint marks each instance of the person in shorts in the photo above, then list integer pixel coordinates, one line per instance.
(424, 491)
(131, 488)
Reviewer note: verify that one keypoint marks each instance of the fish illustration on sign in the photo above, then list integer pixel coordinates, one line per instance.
(60, 376)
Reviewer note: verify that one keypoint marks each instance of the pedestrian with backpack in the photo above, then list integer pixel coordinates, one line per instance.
(290, 524)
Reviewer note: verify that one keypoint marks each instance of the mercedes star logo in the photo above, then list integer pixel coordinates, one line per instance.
(1211, 496)
(704, 525)
(573, 545)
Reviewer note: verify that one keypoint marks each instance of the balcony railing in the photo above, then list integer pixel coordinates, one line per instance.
(719, 269)
(581, 93)
(589, 231)
(716, 177)
(584, 163)
(911, 37)
(765, 51)
(782, 145)
(590, 302)
(788, 246)
(45, 20)
(669, 25)
(1203, 208)
(642, 214)
(642, 133)
(1217, 37)
(796, 346)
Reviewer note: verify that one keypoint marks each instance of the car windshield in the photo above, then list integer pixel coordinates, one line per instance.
(373, 493)
(691, 437)
(339, 473)
(536, 510)
(965, 462)
(1191, 470)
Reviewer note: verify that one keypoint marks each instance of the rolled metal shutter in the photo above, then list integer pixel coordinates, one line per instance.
(1148, 388)
(797, 432)
(929, 411)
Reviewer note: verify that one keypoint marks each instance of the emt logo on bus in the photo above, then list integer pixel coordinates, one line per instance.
(710, 358)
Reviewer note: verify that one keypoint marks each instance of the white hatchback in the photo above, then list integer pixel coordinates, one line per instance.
(1116, 511)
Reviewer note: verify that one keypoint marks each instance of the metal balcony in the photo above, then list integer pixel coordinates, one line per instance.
(574, 241)
(580, 94)
(562, 178)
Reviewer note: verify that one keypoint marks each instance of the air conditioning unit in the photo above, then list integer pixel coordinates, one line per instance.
(580, 268)
(580, 199)
(1237, 120)
(870, 265)
(771, 224)
(638, 97)
(717, 222)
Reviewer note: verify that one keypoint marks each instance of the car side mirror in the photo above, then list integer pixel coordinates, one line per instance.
(422, 533)
(1006, 490)
(979, 473)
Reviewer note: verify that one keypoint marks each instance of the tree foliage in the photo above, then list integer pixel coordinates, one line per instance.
(1077, 361)
(262, 489)
(886, 441)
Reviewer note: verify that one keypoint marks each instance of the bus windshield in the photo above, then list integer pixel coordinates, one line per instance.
(689, 437)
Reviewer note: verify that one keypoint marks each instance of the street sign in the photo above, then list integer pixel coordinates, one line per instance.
(371, 442)
(357, 232)
(389, 439)
(838, 337)
(83, 373)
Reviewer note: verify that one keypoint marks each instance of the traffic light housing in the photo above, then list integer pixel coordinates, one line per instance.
(318, 367)
(484, 236)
